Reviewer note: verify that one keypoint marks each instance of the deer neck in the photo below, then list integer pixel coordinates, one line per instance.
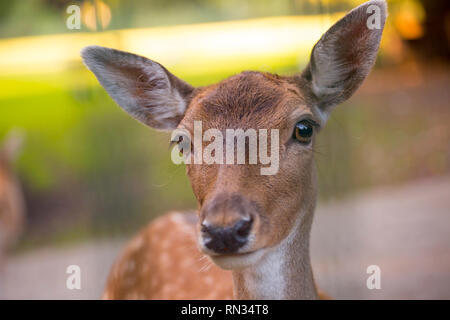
(284, 272)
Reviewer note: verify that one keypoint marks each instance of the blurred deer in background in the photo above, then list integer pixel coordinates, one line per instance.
(12, 208)
(257, 226)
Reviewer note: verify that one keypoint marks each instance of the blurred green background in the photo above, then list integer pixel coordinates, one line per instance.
(88, 170)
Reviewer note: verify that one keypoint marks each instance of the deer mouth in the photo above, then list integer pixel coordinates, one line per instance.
(237, 260)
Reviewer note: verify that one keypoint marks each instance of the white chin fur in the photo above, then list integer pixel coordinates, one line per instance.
(238, 261)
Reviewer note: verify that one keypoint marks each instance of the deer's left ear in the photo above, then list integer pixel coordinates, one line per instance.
(345, 54)
(142, 87)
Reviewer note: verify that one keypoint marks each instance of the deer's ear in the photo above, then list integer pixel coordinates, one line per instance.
(345, 54)
(143, 88)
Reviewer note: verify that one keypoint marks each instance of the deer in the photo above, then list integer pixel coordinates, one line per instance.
(12, 205)
(249, 237)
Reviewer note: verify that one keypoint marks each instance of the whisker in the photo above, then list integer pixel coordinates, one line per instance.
(206, 267)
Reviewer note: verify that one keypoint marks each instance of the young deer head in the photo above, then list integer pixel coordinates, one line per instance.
(247, 220)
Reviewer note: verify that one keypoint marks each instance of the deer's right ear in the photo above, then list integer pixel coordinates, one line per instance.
(142, 87)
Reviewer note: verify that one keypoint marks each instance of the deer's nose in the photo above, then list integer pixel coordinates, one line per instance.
(227, 239)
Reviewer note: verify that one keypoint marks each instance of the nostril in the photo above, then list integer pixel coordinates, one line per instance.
(243, 228)
(205, 230)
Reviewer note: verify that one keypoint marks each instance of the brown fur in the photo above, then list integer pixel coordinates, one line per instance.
(163, 262)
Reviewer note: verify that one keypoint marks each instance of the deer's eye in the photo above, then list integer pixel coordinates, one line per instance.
(303, 132)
